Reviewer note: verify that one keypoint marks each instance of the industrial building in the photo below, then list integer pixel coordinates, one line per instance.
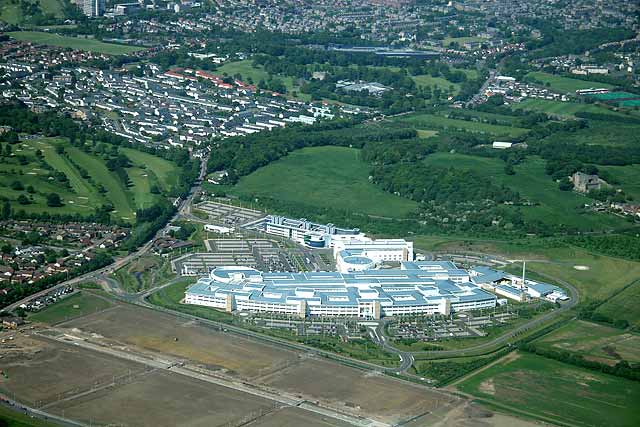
(301, 231)
(415, 288)
(362, 253)
(517, 288)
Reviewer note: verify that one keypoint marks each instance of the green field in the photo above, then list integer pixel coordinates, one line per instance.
(461, 40)
(566, 84)
(553, 206)
(629, 178)
(624, 305)
(533, 386)
(164, 170)
(143, 273)
(82, 195)
(550, 259)
(10, 12)
(595, 342)
(76, 305)
(73, 42)
(561, 108)
(10, 418)
(324, 176)
(435, 122)
(246, 69)
(444, 84)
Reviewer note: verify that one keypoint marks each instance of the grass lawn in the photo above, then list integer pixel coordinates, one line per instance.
(82, 195)
(554, 206)
(117, 192)
(542, 388)
(144, 273)
(595, 342)
(324, 176)
(604, 276)
(165, 171)
(76, 305)
(11, 13)
(566, 84)
(11, 418)
(629, 178)
(624, 305)
(461, 40)
(246, 69)
(75, 199)
(435, 122)
(441, 82)
(73, 42)
(560, 108)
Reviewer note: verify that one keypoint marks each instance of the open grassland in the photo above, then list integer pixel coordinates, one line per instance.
(165, 171)
(74, 198)
(76, 305)
(324, 176)
(461, 40)
(246, 69)
(604, 276)
(560, 108)
(81, 196)
(624, 305)
(556, 392)
(117, 192)
(424, 80)
(10, 12)
(144, 273)
(566, 84)
(595, 342)
(552, 205)
(628, 178)
(73, 42)
(435, 122)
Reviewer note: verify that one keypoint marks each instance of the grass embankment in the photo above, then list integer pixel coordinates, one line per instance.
(76, 305)
(324, 176)
(566, 84)
(90, 45)
(13, 418)
(595, 342)
(435, 122)
(552, 391)
(559, 108)
(144, 273)
(624, 305)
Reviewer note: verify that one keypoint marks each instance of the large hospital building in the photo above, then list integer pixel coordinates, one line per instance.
(415, 288)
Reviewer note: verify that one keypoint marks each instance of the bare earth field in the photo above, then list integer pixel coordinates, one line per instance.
(157, 332)
(40, 371)
(88, 377)
(166, 399)
(294, 417)
(352, 390)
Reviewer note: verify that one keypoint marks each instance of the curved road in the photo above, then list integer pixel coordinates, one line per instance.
(502, 339)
